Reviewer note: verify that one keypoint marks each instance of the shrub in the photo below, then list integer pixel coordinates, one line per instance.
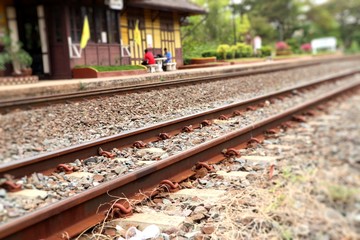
(281, 46)
(265, 51)
(232, 51)
(294, 45)
(354, 47)
(306, 47)
(244, 50)
(223, 49)
(187, 61)
(4, 59)
(209, 54)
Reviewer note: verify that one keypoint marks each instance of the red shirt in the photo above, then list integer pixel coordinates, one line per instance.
(149, 57)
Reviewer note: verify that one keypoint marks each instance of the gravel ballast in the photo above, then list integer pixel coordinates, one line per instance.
(100, 169)
(28, 133)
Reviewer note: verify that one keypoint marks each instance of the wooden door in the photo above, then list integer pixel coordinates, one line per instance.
(57, 16)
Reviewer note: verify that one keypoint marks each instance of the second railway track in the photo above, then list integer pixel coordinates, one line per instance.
(82, 210)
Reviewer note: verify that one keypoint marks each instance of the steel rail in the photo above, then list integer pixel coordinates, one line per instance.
(48, 162)
(27, 102)
(78, 212)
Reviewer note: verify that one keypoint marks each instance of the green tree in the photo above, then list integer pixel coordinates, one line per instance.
(347, 14)
(281, 14)
(244, 26)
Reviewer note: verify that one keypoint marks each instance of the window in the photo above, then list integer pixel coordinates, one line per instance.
(103, 24)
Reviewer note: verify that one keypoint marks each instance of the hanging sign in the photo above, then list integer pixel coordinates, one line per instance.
(115, 4)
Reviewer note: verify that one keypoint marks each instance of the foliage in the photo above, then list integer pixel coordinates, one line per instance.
(223, 49)
(194, 49)
(187, 61)
(339, 193)
(244, 50)
(306, 47)
(281, 46)
(112, 68)
(4, 59)
(20, 58)
(347, 15)
(232, 51)
(294, 44)
(23, 58)
(280, 14)
(209, 54)
(354, 48)
(293, 21)
(244, 24)
(265, 51)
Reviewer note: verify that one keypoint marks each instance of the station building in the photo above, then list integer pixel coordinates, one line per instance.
(50, 31)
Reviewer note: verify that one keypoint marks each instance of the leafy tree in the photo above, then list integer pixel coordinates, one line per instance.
(281, 14)
(347, 14)
(244, 25)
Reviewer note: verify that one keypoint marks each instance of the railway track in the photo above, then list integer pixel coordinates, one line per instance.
(38, 101)
(82, 210)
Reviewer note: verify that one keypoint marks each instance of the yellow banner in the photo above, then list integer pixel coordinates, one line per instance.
(137, 34)
(85, 36)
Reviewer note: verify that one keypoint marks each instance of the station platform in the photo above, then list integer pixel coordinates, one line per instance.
(49, 87)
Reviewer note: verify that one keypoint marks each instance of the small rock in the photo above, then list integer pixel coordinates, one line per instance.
(191, 235)
(110, 232)
(197, 217)
(208, 229)
(90, 160)
(202, 181)
(2, 193)
(13, 213)
(302, 230)
(166, 201)
(186, 212)
(98, 178)
(186, 185)
(120, 170)
(200, 209)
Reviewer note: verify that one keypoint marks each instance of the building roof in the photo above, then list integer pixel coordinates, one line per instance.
(183, 6)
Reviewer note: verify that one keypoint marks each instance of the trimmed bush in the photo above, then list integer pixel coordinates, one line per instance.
(282, 49)
(306, 47)
(187, 61)
(294, 45)
(265, 51)
(243, 50)
(223, 49)
(232, 51)
(209, 54)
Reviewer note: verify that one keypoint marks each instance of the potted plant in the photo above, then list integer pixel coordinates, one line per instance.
(24, 60)
(4, 59)
(20, 59)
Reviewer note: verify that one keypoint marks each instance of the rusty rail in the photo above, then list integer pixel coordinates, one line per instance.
(47, 162)
(88, 208)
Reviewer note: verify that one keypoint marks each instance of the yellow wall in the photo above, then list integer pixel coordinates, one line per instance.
(160, 39)
(157, 35)
(124, 29)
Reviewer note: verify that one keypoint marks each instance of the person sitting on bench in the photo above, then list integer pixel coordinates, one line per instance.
(148, 58)
(168, 58)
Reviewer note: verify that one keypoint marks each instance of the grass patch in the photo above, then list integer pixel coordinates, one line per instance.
(113, 68)
(339, 193)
